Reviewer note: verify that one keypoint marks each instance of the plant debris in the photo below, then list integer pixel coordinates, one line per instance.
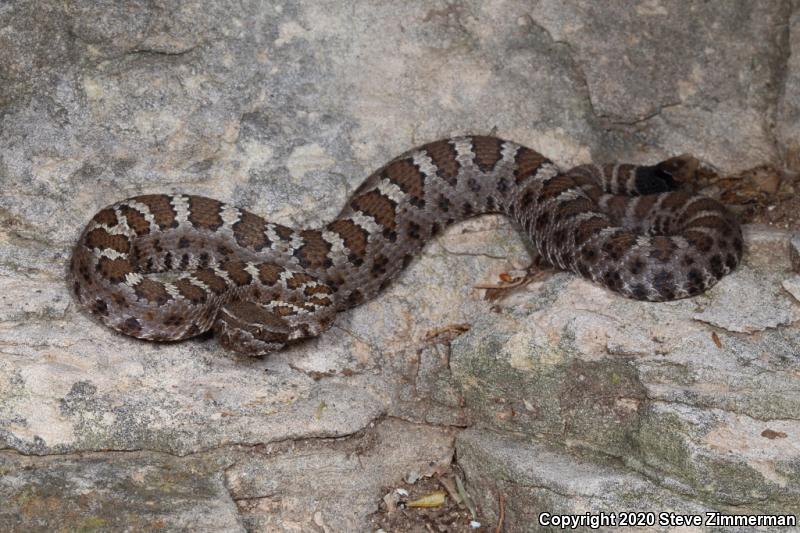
(430, 504)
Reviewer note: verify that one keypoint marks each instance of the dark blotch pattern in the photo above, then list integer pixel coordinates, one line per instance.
(152, 291)
(136, 220)
(443, 154)
(269, 273)
(487, 152)
(249, 232)
(107, 217)
(190, 291)
(315, 252)
(131, 326)
(99, 238)
(353, 235)
(161, 208)
(405, 174)
(378, 206)
(205, 213)
(100, 308)
(236, 271)
(214, 282)
(379, 265)
(113, 270)
(527, 162)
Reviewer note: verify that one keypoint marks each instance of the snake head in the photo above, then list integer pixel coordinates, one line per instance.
(259, 327)
(678, 170)
(669, 175)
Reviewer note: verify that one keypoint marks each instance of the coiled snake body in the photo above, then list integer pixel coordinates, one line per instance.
(168, 267)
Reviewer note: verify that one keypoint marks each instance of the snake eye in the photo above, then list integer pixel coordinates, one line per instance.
(668, 169)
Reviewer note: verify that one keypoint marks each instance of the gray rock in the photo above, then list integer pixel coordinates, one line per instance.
(692, 395)
(792, 286)
(537, 481)
(677, 72)
(788, 123)
(723, 457)
(284, 108)
(327, 483)
(739, 307)
(333, 484)
(114, 491)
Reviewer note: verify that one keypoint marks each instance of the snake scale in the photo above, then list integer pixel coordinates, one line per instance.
(169, 267)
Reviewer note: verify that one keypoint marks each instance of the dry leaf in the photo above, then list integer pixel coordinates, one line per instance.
(433, 499)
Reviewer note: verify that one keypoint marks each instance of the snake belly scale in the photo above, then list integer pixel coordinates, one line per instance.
(168, 267)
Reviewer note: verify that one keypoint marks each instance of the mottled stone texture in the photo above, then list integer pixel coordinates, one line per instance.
(577, 399)
(698, 398)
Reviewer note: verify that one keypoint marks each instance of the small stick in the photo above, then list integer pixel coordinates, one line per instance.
(502, 505)
(451, 489)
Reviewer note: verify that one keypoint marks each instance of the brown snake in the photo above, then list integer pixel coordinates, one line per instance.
(169, 267)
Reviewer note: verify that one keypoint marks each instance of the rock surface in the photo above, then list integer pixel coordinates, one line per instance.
(576, 400)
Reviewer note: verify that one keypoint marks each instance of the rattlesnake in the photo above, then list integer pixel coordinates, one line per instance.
(168, 267)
